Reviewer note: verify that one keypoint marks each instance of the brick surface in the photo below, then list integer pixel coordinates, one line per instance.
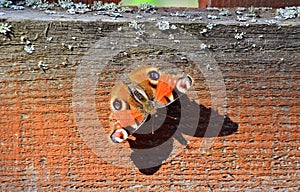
(43, 149)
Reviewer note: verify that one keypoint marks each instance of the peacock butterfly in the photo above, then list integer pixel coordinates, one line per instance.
(150, 89)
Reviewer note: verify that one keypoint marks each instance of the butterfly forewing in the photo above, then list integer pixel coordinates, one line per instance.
(164, 90)
(126, 110)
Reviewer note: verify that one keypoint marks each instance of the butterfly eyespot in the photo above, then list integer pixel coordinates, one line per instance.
(189, 82)
(119, 136)
(184, 84)
(117, 104)
(153, 75)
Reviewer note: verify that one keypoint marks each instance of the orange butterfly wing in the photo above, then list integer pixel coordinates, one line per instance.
(130, 112)
(164, 89)
(129, 117)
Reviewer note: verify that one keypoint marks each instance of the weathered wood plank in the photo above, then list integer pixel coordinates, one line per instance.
(41, 141)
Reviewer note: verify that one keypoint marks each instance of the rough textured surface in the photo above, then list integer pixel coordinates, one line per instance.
(244, 3)
(42, 148)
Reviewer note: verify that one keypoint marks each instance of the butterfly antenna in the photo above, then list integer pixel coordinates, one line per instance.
(179, 95)
(169, 116)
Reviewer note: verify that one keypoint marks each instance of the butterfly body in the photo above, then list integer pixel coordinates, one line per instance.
(149, 106)
(151, 89)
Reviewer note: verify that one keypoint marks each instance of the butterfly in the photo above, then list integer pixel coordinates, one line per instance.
(150, 89)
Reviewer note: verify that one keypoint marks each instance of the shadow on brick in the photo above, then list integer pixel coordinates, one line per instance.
(151, 150)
